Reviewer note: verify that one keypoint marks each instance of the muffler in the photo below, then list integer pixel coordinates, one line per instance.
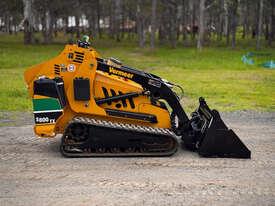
(210, 137)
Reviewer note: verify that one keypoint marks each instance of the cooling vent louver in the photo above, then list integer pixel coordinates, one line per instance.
(78, 57)
(56, 69)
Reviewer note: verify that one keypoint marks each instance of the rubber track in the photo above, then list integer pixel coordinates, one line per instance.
(122, 127)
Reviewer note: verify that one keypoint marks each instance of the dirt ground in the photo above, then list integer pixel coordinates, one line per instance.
(32, 171)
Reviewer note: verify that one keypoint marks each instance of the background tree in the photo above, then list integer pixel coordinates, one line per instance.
(156, 21)
(201, 24)
(260, 20)
(28, 21)
(271, 36)
(153, 23)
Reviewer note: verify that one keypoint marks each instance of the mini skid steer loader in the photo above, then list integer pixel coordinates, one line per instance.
(104, 108)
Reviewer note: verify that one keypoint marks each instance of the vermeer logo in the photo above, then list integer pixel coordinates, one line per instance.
(120, 73)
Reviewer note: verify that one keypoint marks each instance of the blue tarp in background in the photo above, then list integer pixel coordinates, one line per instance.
(248, 59)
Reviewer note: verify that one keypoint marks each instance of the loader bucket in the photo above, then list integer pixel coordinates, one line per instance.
(222, 142)
(217, 140)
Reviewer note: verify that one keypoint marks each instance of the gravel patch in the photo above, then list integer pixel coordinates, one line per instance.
(33, 172)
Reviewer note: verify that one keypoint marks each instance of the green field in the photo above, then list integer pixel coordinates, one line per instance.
(215, 73)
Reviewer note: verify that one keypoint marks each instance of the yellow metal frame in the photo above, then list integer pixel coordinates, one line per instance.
(98, 79)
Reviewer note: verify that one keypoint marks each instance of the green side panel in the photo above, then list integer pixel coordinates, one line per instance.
(46, 104)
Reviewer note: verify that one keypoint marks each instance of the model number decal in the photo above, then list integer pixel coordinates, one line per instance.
(44, 120)
(47, 117)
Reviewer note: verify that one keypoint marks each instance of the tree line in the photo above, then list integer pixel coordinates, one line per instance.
(172, 22)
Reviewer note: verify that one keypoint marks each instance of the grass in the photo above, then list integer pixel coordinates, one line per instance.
(215, 73)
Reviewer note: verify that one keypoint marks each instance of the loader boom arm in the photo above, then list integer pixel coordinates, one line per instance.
(158, 88)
